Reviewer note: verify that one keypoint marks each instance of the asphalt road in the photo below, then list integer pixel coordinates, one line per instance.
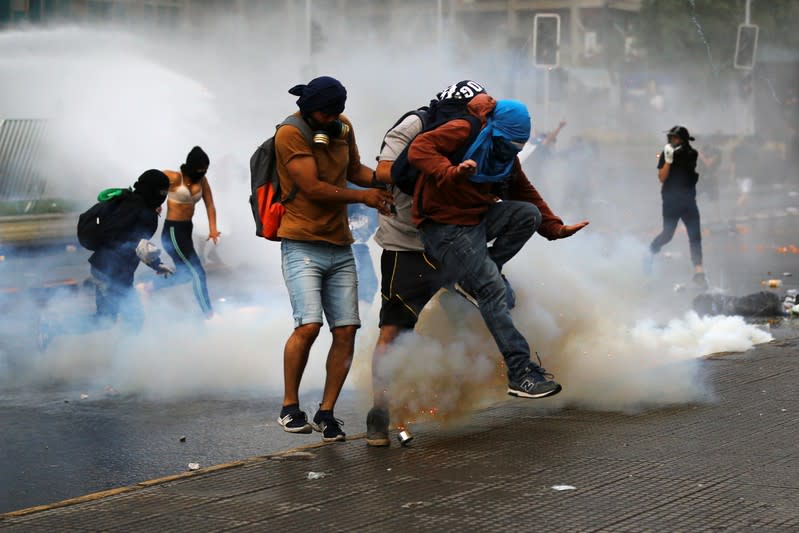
(57, 445)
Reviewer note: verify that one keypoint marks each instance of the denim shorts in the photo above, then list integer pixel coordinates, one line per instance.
(321, 277)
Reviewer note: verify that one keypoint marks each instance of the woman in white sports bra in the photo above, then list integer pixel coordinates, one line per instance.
(186, 188)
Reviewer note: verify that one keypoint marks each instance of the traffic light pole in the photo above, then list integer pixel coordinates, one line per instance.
(547, 71)
(749, 120)
(546, 54)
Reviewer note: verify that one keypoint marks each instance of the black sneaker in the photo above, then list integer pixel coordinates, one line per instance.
(293, 420)
(377, 427)
(533, 382)
(329, 426)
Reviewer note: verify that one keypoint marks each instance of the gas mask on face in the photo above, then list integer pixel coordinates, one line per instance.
(331, 130)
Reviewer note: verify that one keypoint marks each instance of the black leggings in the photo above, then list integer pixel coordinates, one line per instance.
(177, 242)
(672, 213)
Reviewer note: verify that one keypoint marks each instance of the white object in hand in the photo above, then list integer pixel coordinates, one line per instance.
(668, 153)
(147, 252)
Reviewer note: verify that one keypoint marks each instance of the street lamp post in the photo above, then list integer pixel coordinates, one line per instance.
(749, 122)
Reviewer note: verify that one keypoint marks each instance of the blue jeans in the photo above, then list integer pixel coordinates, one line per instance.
(465, 258)
(113, 298)
(320, 277)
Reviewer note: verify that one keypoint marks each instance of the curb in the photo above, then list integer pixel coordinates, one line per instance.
(94, 496)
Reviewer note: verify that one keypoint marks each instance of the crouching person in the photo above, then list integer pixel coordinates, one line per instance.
(117, 230)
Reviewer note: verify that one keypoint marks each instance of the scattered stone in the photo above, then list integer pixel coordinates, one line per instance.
(411, 505)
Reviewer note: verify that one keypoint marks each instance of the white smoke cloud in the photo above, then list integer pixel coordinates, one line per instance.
(611, 339)
(120, 102)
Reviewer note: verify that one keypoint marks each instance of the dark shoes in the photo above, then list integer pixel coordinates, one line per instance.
(533, 382)
(294, 420)
(329, 426)
(377, 427)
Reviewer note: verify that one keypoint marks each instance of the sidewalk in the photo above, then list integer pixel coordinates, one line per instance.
(729, 465)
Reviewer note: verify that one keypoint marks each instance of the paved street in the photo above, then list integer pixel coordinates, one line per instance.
(728, 464)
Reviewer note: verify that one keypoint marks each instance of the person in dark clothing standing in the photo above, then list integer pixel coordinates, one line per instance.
(128, 221)
(678, 176)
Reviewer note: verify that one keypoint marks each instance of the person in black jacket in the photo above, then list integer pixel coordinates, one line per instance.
(131, 221)
(678, 176)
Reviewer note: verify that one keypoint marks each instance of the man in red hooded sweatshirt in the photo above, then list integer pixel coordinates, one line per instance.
(460, 206)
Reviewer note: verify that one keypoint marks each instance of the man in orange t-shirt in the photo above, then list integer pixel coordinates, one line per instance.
(318, 265)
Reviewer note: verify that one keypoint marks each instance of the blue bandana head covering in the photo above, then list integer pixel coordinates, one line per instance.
(504, 135)
(323, 94)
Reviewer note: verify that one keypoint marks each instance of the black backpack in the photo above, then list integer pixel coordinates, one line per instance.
(266, 198)
(96, 225)
(403, 174)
